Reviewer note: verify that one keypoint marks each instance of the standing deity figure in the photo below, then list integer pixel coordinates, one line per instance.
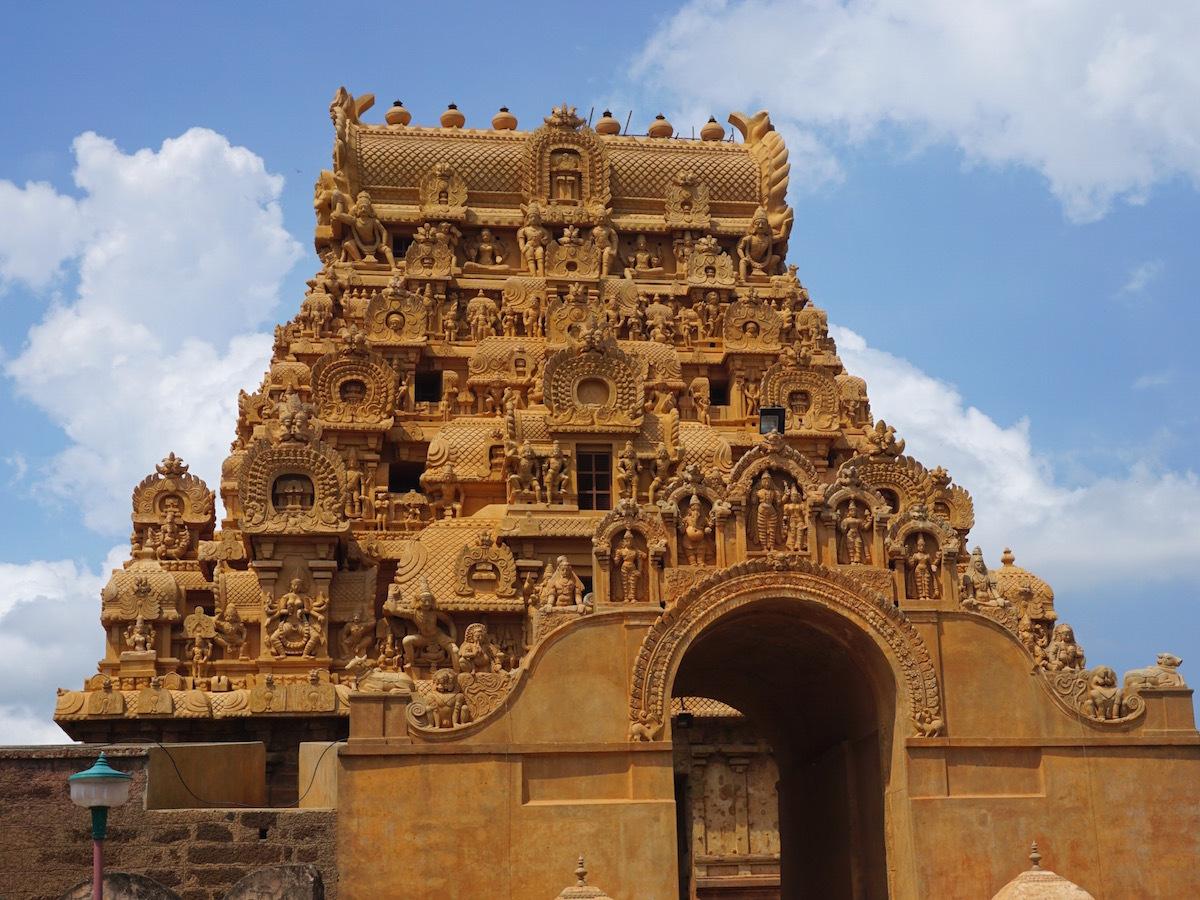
(853, 525)
(199, 654)
(532, 239)
(710, 314)
(481, 316)
(604, 238)
(1063, 653)
(694, 528)
(923, 571)
(524, 484)
(662, 470)
(139, 636)
(795, 522)
(751, 396)
(532, 317)
(355, 487)
(628, 561)
(627, 472)
(231, 632)
(479, 653)
(766, 514)
(450, 322)
(429, 636)
(555, 476)
(358, 636)
(367, 236)
(755, 248)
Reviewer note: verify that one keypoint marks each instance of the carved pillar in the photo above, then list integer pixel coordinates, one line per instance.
(655, 558)
(267, 571)
(721, 535)
(602, 574)
(741, 538)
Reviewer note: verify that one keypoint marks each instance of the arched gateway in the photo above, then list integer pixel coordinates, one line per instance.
(558, 511)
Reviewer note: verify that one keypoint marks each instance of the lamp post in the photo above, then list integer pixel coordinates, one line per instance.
(98, 789)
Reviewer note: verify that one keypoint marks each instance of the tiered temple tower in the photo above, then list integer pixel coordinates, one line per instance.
(554, 417)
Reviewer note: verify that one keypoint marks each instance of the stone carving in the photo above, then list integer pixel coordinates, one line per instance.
(687, 202)
(766, 503)
(295, 623)
(398, 315)
(429, 644)
(628, 561)
(755, 249)
(369, 678)
(628, 468)
(882, 441)
(979, 586)
(1062, 652)
(486, 565)
(446, 703)
(172, 511)
(752, 324)
(532, 240)
(709, 266)
(921, 565)
(594, 384)
(854, 544)
(443, 193)
(353, 387)
(695, 528)
(1163, 674)
(139, 637)
(366, 238)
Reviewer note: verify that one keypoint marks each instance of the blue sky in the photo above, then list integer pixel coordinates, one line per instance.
(995, 202)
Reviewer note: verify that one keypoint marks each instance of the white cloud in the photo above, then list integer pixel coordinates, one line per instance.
(39, 231)
(181, 253)
(1152, 380)
(50, 637)
(1096, 95)
(1143, 526)
(1141, 275)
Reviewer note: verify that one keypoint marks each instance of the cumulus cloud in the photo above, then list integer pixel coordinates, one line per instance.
(1096, 95)
(180, 252)
(50, 637)
(1142, 525)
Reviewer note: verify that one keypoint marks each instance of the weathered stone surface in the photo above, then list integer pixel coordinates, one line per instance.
(280, 883)
(123, 886)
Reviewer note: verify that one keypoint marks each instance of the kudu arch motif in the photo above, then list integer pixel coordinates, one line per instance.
(526, 387)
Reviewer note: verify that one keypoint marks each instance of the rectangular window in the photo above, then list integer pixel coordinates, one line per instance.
(593, 475)
(427, 387)
(718, 393)
(404, 476)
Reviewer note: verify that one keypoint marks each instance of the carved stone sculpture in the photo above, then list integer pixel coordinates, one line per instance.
(532, 239)
(296, 623)
(695, 528)
(767, 513)
(1163, 674)
(366, 236)
(628, 561)
(429, 635)
(922, 566)
(755, 249)
(1063, 653)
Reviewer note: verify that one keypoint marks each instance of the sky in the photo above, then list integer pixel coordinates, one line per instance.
(996, 202)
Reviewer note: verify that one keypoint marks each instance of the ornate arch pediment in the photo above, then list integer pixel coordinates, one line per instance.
(903, 476)
(493, 559)
(708, 266)
(784, 382)
(916, 521)
(292, 487)
(443, 193)
(950, 502)
(398, 316)
(565, 169)
(172, 487)
(594, 385)
(771, 454)
(753, 326)
(354, 387)
(849, 487)
(627, 515)
(687, 202)
(779, 577)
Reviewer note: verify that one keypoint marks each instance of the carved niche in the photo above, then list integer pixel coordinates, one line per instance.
(709, 266)
(687, 202)
(630, 548)
(572, 256)
(594, 384)
(172, 511)
(354, 388)
(292, 483)
(751, 325)
(920, 548)
(486, 566)
(765, 483)
(396, 315)
(431, 253)
(140, 590)
(567, 316)
(809, 395)
(443, 193)
(565, 169)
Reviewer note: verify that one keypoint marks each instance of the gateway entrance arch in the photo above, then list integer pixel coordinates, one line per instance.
(828, 675)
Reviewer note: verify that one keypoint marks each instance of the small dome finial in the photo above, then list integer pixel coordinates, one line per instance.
(1034, 856)
(581, 872)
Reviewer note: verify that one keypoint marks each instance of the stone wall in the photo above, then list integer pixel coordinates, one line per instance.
(45, 840)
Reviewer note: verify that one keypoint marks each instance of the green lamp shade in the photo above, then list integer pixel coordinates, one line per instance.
(101, 785)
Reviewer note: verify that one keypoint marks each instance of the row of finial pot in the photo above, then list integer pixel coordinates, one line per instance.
(506, 121)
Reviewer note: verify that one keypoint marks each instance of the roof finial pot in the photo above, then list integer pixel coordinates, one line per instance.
(660, 127)
(607, 124)
(712, 130)
(452, 118)
(504, 120)
(397, 114)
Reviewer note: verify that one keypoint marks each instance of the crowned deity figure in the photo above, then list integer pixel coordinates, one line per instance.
(755, 248)
(366, 235)
(694, 528)
(853, 524)
(922, 568)
(795, 522)
(628, 561)
(767, 512)
(429, 637)
(532, 239)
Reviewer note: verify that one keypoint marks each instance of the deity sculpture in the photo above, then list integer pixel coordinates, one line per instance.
(486, 251)
(199, 654)
(524, 480)
(642, 262)
(1163, 674)
(795, 521)
(450, 322)
(366, 235)
(767, 503)
(429, 637)
(1063, 653)
(922, 567)
(295, 623)
(979, 586)
(532, 240)
(710, 314)
(481, 316)
(882, 440)
(1104, 699)
(357, 636)
(627, 472)
(627, 559)
(853, 526)
(447, 704)
(171, 540)
(694, 529)
(532, 317)
(662, 471)
(555, 476)
(560, 588)
(231, 632)
(755, 248)
(479, 653)
(139, 636)
(355, 487)
(604, 238)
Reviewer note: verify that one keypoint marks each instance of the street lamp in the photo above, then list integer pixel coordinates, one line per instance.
(98, 789)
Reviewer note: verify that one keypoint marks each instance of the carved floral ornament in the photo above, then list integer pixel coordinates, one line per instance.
(397, 315)
(779, 577)
(172, 489)
(354, 388)
(752, 325)
(594, 384)
(486, 560)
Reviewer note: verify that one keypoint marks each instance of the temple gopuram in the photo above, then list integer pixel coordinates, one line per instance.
(559, 519)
